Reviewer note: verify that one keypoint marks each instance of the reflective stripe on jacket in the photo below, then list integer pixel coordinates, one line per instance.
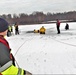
(12, 70)
(9, 28)
(4, 67)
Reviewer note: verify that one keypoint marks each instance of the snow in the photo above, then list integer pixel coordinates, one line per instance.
(51, 53)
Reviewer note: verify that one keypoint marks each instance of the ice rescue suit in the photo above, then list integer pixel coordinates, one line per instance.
(42, 30)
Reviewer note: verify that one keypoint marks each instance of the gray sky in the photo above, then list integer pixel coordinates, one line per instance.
(29, 6)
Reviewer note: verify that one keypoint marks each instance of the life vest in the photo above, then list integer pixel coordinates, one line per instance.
(12, 70)
(9, 28)
(2, 40)
(58, 23)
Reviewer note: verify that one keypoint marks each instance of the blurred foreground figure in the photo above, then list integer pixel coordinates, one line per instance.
(7, 65)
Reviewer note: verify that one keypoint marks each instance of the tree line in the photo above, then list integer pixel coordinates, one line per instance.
(39, 17)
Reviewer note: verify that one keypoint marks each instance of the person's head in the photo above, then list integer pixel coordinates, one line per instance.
(42, 26)
(57, 20)
(3, 27)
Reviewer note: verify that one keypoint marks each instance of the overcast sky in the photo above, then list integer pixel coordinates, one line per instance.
(29, 6)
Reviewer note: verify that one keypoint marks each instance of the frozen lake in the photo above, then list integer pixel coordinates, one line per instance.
(51, 53)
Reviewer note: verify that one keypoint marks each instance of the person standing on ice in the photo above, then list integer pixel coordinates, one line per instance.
(6, 63)
(9, 31)
(16, 28)
(58, 26)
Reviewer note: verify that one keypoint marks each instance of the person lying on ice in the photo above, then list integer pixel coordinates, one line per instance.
(6, 62)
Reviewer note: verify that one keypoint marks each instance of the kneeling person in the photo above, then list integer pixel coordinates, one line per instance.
(42, 30)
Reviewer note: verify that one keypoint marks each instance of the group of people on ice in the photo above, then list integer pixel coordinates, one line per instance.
(10, 30)
(7, 60)
(43, 29)
(58, 26)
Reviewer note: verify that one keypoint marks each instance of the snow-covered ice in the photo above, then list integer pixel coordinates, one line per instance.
(51, 53)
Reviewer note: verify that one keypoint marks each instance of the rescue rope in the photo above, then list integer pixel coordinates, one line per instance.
(64, 42)
(21, 46)
(18, 50)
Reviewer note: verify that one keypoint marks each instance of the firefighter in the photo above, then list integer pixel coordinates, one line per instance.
(16, 28)
(6, 62)
(42, 30)
(9, 31)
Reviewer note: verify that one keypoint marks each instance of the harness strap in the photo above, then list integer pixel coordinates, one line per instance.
(2, 40)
